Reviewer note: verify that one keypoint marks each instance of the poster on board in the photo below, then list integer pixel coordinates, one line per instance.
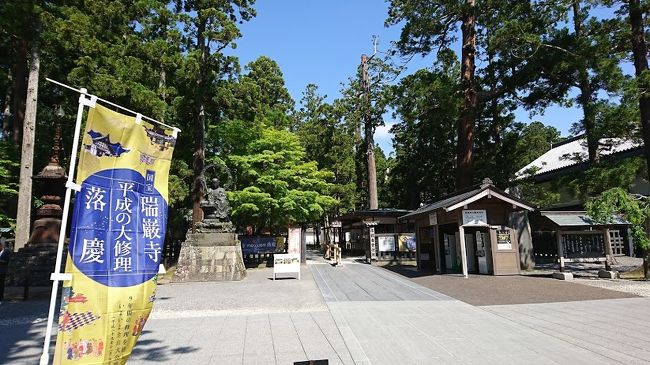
(386, 243)
(406, 243)
(293, 246)
(503, 239)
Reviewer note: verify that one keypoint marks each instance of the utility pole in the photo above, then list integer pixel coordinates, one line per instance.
(369, 131)
(24, 211)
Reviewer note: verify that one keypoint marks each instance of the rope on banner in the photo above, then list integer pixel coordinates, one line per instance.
(95, 98)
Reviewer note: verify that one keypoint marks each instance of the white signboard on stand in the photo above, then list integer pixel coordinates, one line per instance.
(474, 217)
(286, 263)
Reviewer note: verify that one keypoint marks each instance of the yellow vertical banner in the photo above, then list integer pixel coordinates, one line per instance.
(116, 238)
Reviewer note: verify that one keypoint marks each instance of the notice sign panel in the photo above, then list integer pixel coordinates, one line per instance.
(503, 239)
(295, 234)
(257, 244)
(475, 217)
(433, 219)
(406, 243)
(386, 243)
(286, 263)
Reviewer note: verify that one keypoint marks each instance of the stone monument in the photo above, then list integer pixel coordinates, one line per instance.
(212, 252)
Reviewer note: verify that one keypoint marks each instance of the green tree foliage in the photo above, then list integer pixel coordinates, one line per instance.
(208, 28)
(576, 53)
(635, 209)
(362, 106)
(610, 173)
(534, 140)
(8, 182)
(425, 138)
(278, 185)
(384, 165)
(329, 141)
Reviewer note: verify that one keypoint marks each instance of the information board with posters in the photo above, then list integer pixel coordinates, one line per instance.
(286, 263)
(406, 242)
(386, 243)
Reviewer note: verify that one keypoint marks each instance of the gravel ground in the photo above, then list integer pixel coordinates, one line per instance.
(636, 287)
(588, 269)
(587, 274)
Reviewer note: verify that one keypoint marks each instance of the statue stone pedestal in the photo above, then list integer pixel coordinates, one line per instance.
(210, 256)
(213, 252)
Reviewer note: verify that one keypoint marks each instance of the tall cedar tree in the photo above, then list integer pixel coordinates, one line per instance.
(432, 24)
(209, 27)
(365, 99)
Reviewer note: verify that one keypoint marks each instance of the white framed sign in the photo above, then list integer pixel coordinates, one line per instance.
(474, 217)
(286, 263)
(336, 224)
(433, 219)
(386, 243)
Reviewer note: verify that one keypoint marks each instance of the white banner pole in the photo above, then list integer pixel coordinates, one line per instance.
(70, 185)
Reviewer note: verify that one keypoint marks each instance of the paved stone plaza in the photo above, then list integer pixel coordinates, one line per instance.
(357, 314)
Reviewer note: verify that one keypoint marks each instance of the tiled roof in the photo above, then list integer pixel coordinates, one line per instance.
(577, 219)
(572, 152)
(445, 202)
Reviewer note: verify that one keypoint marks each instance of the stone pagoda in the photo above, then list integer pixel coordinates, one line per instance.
(33, 264)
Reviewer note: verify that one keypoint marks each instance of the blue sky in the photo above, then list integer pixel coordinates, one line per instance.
(321, 42)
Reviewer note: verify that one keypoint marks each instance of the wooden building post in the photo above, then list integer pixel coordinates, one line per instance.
(436, 249)
(609, 255)
(463, 249)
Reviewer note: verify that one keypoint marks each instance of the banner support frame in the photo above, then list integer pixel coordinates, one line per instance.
(94, 99)
(70, 186)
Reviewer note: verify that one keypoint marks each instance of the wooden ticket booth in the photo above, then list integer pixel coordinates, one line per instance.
(469, 231)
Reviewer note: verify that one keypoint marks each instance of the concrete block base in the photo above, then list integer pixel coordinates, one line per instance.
(562, 276)
(607, 274)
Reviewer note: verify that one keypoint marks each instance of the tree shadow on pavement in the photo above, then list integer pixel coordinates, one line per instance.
(151, 349)
(409, 271)
(22, 329)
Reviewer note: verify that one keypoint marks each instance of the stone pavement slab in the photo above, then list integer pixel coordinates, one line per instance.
(615, 328)
(360, 282)
(258, 293)
(276, 338)
(357, 314)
